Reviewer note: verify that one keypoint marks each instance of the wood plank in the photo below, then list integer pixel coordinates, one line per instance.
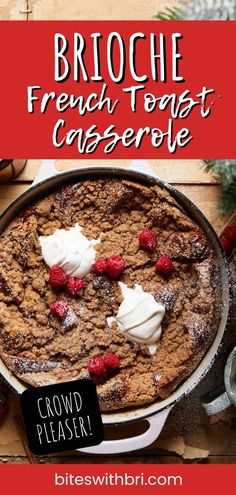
(10, 443)
(174, 171)
(97, 9)
(13, 9)
(205, 197)
(9, 192)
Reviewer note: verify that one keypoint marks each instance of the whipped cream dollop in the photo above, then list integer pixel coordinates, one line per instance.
(139, 317)
(69, 249)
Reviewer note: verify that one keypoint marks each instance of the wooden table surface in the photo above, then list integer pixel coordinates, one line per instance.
(81, 9)
(189, 436)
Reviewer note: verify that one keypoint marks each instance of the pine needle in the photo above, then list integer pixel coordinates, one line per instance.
(199, 10)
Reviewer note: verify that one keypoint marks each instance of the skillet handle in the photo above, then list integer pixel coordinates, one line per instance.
(216, 401)
(47, 169)
(142, 166)
(156, 424)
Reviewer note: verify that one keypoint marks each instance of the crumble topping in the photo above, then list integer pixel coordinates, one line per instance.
(41, 348)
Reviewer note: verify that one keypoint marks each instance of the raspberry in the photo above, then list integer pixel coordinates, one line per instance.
(57, 277)
(164, 265)
(96, 366)
(230, 233)
(226, 245)
(100, 266)
(59, 308)
(111, 361)
(148, 240)
(115, 266)
(74, 285)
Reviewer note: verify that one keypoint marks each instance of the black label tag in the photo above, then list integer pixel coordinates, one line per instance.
(62, 417)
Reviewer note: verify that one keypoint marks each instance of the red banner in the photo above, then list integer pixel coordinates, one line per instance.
(117, 479)
(118, 89)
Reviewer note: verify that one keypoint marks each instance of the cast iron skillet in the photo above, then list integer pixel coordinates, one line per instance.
(155, 413)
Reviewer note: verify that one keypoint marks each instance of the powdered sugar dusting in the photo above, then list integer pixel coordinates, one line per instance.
(69, 321)
(22, 365)
(157, 377)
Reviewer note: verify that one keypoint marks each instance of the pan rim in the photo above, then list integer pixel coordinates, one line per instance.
(182, 198)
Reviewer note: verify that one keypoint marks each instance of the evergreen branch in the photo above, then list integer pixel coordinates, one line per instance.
(225, 170)
(174, 14)
(199, 10)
